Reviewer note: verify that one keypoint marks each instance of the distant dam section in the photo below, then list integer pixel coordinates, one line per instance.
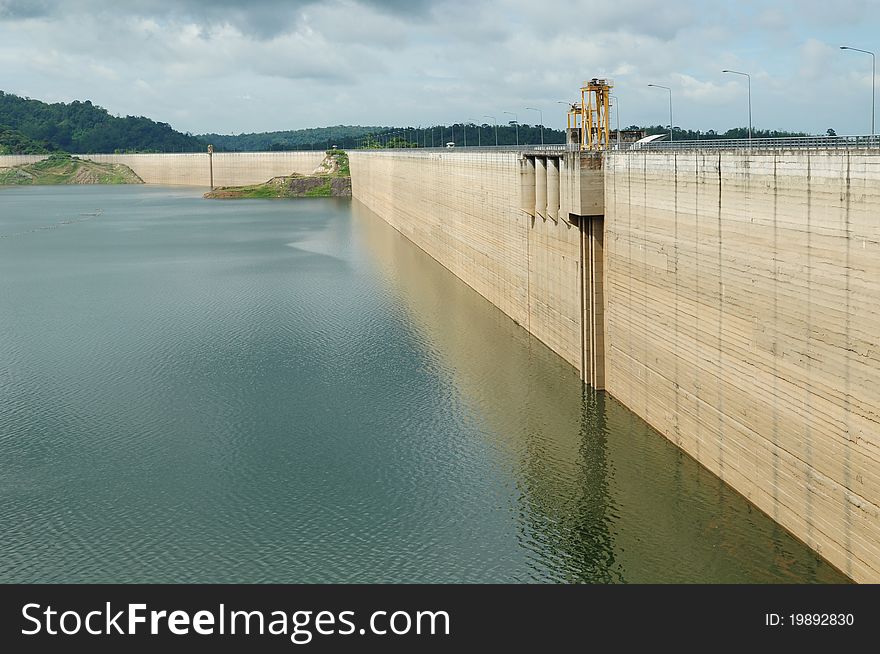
(194, 169)
(731, 298)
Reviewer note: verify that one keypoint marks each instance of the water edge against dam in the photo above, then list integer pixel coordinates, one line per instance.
(262, 391)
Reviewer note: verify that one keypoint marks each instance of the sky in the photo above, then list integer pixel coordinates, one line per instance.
(231, 67)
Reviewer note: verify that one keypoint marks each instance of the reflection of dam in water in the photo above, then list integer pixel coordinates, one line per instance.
(601, 496)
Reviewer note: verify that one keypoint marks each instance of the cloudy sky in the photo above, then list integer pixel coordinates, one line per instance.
(240, 66)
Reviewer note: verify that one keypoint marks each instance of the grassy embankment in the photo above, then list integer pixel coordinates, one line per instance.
(331, 179)
(65, 169)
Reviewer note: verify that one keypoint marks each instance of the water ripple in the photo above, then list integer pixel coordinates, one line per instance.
(292, 392)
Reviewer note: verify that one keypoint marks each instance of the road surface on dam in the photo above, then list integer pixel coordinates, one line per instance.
(290, 391)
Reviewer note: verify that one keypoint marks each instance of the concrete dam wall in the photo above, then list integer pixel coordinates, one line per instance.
(193, 169)
(728, 298)
(743, 322)
(479, 215)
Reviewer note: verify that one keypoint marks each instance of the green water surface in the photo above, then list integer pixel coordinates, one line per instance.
(290, 391)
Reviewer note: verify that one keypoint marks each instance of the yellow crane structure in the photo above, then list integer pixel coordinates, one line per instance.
(591, 117)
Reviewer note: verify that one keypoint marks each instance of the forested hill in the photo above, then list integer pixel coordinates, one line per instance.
(13, 142)
(28, 125)
(317, 138)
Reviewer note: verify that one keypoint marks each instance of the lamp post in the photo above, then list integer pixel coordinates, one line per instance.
(658, 86)
(617, 112)
(494, 122)
(541, 118)
(211, 164)
(479, 142)
(873, 80)
(570, 106)
(749, 78)
(516, 121)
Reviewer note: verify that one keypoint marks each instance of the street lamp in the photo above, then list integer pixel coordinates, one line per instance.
(516, 121)
(616, 111)
(541, 118)
(570, 106)
(494, 122)
(749, 78)
(873, 80)
(479, 142)
(657, 86)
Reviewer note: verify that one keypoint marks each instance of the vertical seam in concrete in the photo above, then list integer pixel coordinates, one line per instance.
(529, 276)
(699, 166)
(773, 340)
(720, 347)
(676, 394)
(847, 468)
(808, 430)
(583, 308)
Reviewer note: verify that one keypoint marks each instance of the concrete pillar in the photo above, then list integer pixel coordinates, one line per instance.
(593, 301)
(527, 185)
(541, 186)
(553, 188)
(597, 280)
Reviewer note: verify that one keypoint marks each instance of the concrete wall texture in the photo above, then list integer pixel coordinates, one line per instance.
(729, 298)
(742, 321)
(230, 168)
(741, 313)
(463, 209)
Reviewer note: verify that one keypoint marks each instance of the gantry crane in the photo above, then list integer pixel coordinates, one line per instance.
(592, 115)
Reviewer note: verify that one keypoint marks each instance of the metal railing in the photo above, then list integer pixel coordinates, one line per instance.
(788, 143)
(792, 143)
(553, 147)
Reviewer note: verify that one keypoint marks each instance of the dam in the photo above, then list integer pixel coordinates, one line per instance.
(727, 295)
(194, 169)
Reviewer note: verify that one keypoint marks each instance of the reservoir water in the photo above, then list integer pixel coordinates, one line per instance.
(290, 391)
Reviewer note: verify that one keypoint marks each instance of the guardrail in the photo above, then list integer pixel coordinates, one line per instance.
(553, 147)
(797, 142)
(794, 143)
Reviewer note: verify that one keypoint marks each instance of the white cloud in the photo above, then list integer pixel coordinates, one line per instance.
(306, 63)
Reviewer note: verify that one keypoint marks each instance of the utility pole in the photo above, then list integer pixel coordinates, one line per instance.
(617, 112)
(494, 122)
(516, 122)
(541, 118)
(211, 164)
(873, 80)
(479, 144)
(670, 107)
(749, 78)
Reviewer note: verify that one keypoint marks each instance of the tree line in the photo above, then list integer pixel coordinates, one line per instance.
(316, 138)
(29, 126)
(461, 134)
